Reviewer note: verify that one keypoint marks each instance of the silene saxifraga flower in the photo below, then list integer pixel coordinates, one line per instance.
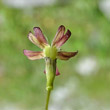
(50, 53)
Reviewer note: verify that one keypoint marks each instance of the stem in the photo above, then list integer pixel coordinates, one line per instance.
(50, 75)
(47, 100)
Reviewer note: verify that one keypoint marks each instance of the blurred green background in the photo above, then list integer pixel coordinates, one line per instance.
(84, 83)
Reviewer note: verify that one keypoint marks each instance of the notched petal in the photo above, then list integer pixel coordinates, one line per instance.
(59, 34)
(66, 55)
(63, 39)
(34, 40)
(38, 38)
(32, 55)
(39, 35)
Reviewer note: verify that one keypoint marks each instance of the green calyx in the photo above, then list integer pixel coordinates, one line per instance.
(50, 52)
(50, 72)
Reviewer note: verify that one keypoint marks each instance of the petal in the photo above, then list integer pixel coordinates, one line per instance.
(59, 34)
(32, 55)
(66, 55)
(63, 39)
(34, 40)
(39, 35)
(57, 72)
(38, 39)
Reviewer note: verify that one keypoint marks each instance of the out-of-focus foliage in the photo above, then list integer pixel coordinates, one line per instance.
(22, 82)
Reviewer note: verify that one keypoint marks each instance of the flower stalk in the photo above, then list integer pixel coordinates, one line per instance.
(50, 76)
(47, 100)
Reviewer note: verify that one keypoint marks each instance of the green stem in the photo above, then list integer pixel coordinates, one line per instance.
(47, 100)
(50, 75)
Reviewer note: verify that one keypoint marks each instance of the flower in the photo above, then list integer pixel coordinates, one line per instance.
(50, 52)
